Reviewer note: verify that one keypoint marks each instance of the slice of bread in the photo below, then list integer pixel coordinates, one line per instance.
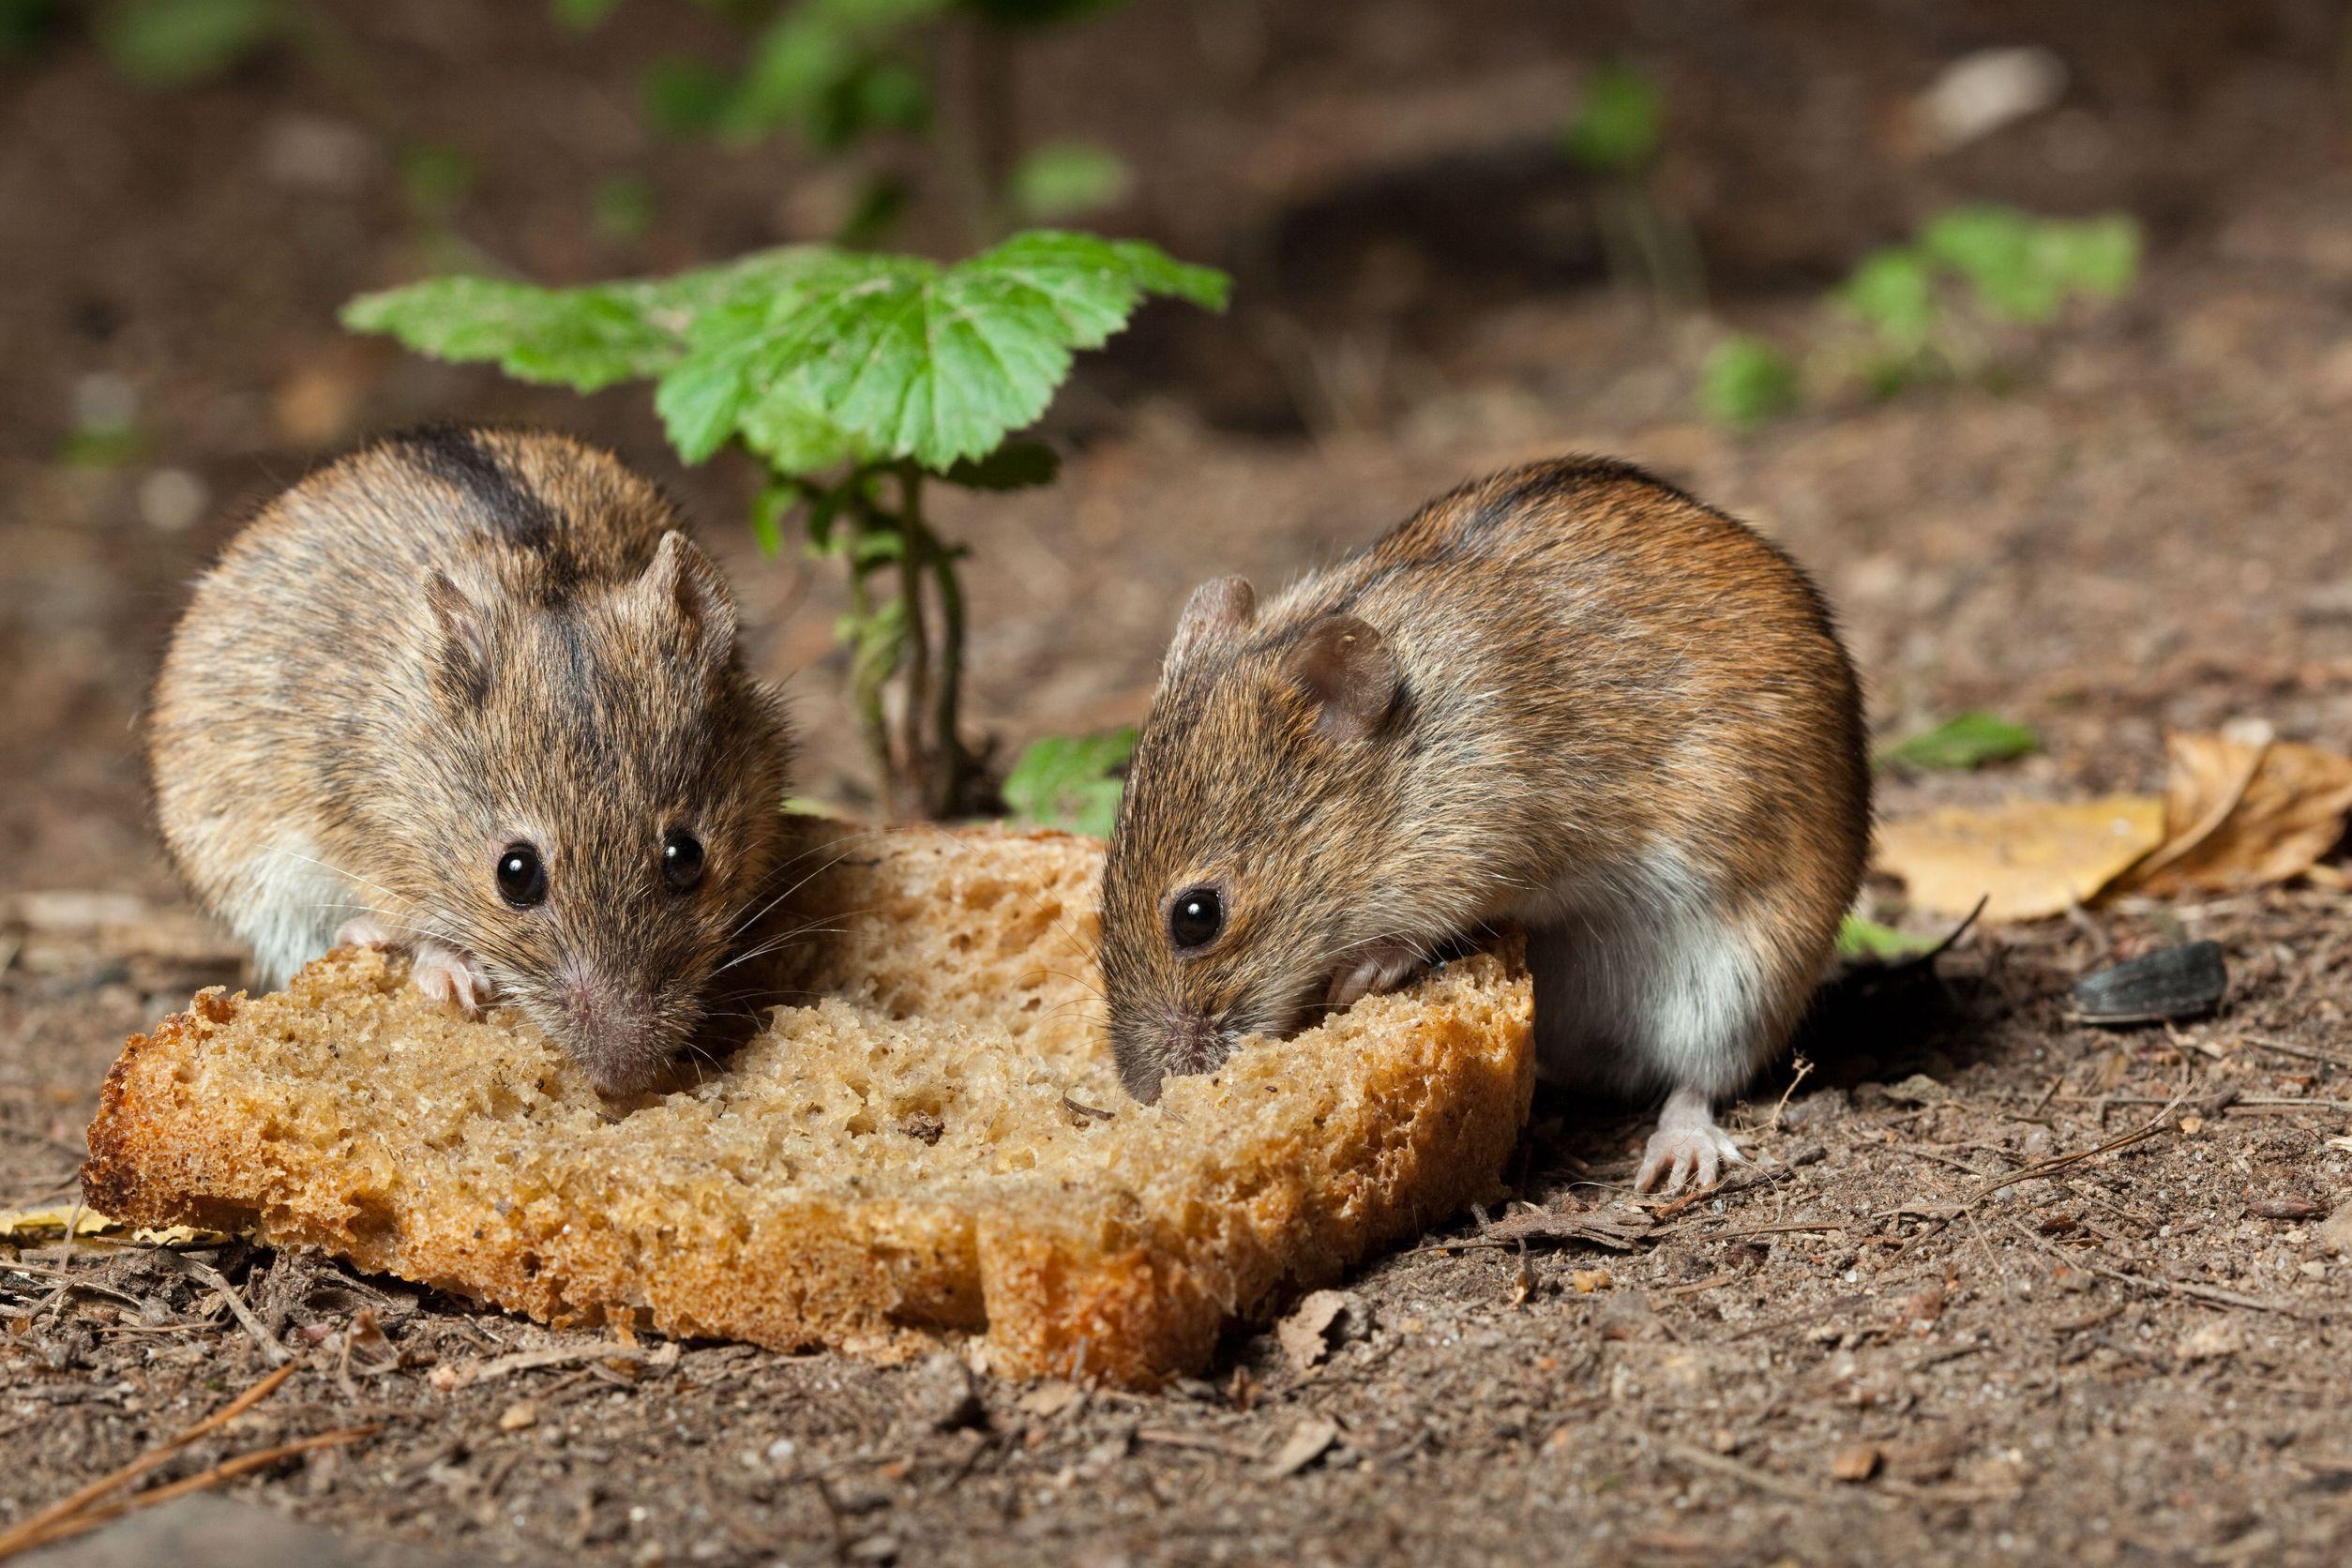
(934, 1145)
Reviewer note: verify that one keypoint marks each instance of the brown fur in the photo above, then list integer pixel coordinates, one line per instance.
(446, 642)
(1575, 675)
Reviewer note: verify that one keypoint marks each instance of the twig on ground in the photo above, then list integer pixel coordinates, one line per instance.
(33, 1529)
(555, 1355)
(272, 1352)
(228, 1469)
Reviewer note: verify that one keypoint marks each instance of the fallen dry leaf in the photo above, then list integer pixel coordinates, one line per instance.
(2243, 812)
(1307, 1443)
(1584, 1281)
(2026, 860)
(1306, 1334)
(33, 1225)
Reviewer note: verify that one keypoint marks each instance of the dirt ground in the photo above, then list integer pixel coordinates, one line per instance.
(1904, 1333)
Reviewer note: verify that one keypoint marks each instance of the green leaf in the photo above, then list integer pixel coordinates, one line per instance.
(625, 207)
(686, 96)
(1067, 180)
(1893, 292)
(814, 357)
(584, 338)
(1068, 782)
(1860, 938)
(2025, 268)
(583, 16)
(768, 510)
(1747, 380)
(1015, 465)
(1616, 128)
(176, 43)
(1963, 740)
(828, 68)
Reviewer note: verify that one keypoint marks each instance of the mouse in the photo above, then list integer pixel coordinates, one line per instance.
(475, 696)
(1569, 697)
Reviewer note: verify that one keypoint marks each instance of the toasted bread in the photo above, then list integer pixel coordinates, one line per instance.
(933, 1145)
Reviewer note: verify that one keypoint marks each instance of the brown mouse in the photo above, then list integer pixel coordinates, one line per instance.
(1567, 696)
(477, 695)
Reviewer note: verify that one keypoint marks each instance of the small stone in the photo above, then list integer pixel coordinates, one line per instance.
(2335, 1232)
(1858, 1462)
(518, 1415)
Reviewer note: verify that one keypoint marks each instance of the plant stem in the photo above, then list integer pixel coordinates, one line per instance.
(866, 683)
(917, 751)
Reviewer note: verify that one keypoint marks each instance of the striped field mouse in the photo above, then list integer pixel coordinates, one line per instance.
(1567, 696)
(475, 695)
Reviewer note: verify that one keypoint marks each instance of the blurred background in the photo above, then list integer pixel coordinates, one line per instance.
(2023, 324)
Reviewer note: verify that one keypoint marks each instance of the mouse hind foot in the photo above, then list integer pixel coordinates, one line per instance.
(1688, 1144)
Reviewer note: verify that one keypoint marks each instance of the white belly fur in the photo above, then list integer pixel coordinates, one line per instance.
(1641, 986)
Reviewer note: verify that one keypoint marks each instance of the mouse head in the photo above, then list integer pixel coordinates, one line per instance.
(602, 803)
(1256, 832)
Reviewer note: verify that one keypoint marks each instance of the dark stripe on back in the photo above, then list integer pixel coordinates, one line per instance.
(509, 507)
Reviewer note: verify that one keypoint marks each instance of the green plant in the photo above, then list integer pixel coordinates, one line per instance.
(1920, 303)
(837, 73)
(1614, 136)
(858, 380)
(1071, 782)
(1963, 740)
(1747, 380)
(1859, 937)
(176, 43)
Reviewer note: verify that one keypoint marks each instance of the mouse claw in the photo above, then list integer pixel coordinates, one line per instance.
(1382, 967)
(447, 975)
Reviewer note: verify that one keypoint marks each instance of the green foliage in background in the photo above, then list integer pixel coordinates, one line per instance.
(1619, 125)
(1859, 937)
(1926, 310)
(1993, 263)
(1071, 782)
(856, 379)
(835, 72)
(1614, 136)
(176, 43)
(1747, 380)
(1963, 740)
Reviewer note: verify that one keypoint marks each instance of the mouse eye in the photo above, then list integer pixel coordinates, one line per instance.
(682, 860)
(1196, 917)
(522, 877)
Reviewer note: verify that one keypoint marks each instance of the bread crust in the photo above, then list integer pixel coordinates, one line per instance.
(779, 1203)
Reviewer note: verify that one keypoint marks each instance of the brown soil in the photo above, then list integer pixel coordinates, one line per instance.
(2136, 1356)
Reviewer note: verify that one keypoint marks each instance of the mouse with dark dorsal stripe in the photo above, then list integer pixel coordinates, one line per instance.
(475, 695)
(1568, 696)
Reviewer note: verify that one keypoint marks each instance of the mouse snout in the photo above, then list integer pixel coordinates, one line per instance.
(612, 1030)
(1182, 1041)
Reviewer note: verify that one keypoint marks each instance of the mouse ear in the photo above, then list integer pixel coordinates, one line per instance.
(682, 589)
(1349, 672)
(1217, 609)
(465, 639)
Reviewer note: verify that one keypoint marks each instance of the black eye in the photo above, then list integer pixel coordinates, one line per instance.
(682, 860)
(1196, 917)
(522, 879)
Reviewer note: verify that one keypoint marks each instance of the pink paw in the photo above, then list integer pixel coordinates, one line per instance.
(1676, 1154)
(1686, 1143)
(447, 975)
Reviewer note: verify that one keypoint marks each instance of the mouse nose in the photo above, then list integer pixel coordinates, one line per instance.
(610, 1031)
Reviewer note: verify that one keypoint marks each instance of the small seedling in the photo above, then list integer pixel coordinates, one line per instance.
(1747, 380)
(838, 73)
(1925, 304)
(177, 43)
(1071, 782)
(858, 380)
(1860, 937)
(1963, 740)
(1614, 136)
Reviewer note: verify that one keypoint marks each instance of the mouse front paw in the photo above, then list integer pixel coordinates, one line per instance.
(447, 976)
(1381, 967)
